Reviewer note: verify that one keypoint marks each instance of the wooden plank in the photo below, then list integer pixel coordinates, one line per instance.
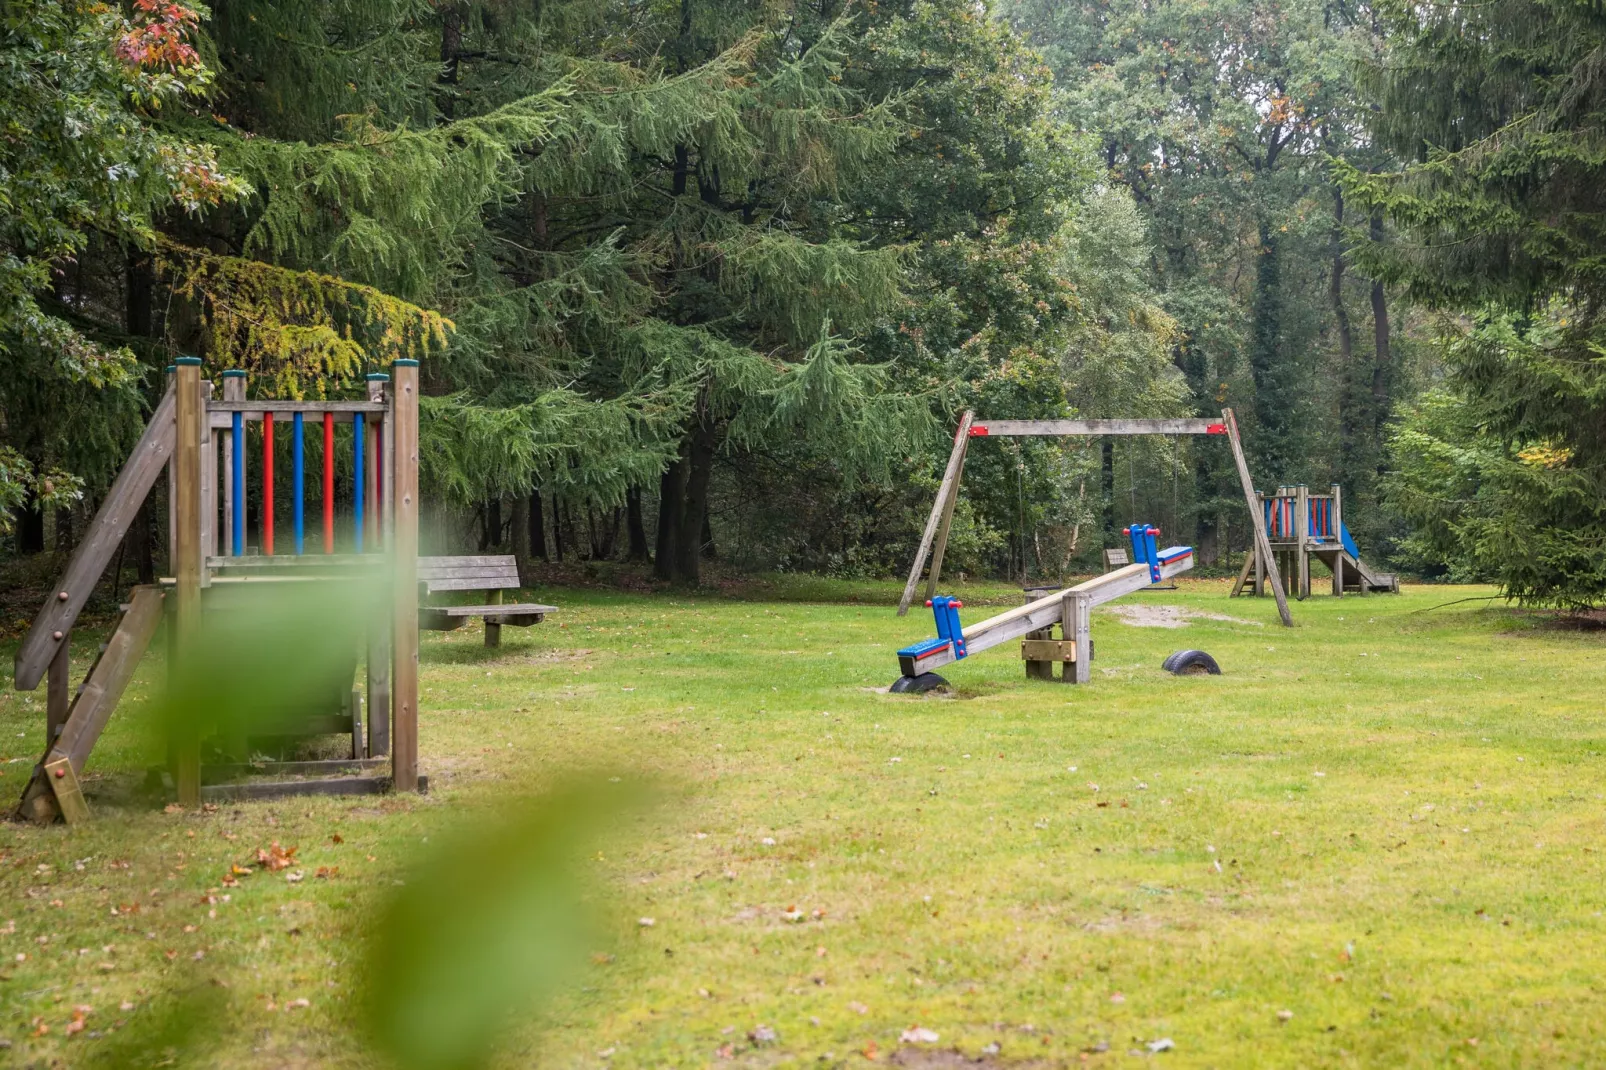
(255, 408)
(404, 621)
(1114, 559)
(1255, 518)
(941, 547)
(499, 571)
(105, 532)
(292, 563)
(191, 409)
(378, 681)
(468, 583)
(215, 774)
(68, 791)
(427, 563)
(281, 789)
(498, 610)
(110, 675)
(949, 486)
(1047, 650)
(1017, 428)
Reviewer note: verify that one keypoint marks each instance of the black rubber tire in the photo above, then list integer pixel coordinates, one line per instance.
(1191, 663)
(916, 685)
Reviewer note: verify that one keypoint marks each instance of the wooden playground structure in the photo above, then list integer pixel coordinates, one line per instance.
(197, 438)
(1068, 609)
(1301, 526)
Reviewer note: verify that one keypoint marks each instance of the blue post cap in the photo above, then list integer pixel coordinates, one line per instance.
(379, 377)
(171, 368)
(234, 373)
(190, 362)
(404, 362)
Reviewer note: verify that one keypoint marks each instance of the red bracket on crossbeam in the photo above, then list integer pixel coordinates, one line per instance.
(979, 430)
(1216, 429)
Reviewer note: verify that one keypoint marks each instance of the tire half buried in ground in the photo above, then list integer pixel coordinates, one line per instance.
(1191, 663)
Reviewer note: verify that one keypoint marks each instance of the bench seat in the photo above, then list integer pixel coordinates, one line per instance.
(492, 572)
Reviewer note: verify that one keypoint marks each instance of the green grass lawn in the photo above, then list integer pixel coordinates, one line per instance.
(1386, 822)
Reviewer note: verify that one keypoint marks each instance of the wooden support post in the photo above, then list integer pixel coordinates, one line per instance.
(209, 489)
(1302, 539)
(941, 547)
(190, 418)
(493, 627)
(379, 638)
(57, 692)
(949, 486)
(404, 620)
(1076, 622)
(1338, 538)
(1255, 518)
(1243, 574)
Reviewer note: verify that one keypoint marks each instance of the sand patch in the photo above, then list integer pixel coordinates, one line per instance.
(1153, 616)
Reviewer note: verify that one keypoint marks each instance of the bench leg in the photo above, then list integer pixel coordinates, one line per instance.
(493, 633)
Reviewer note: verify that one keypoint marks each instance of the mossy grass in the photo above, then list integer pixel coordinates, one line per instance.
(1386, 821)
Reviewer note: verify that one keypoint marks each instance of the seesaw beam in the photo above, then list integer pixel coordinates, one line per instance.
(1050, 609)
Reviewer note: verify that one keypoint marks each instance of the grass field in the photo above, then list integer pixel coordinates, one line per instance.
(1375, 840)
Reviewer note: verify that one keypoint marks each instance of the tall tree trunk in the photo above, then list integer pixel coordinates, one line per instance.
(699, 469)
(1351, 447)
(31, 529)
(492, 536)
(558, 540)
(1381, 361)
(537, 526)
(635, 528)
(521, 538)
(713, 554)
(451, 52)
(1273, 393)
(671, 504)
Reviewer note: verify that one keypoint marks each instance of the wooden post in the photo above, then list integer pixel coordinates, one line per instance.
(1338, 533)
(208, 485)
(941, 547)
(1076, 622)
(191, 414)
(1302, 539)
(57, 691)
(404, 621)
(1255, 518)
(949, 486)
(493, 627)
(233, 390)
(382, 517)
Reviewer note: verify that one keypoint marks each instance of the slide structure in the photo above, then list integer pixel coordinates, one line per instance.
(1069, 609)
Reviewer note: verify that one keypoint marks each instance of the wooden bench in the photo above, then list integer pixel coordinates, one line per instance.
(495, 574)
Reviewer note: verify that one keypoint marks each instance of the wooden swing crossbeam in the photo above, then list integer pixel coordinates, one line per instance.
(934, 539)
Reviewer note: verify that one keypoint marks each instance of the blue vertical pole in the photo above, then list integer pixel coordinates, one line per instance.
(238, 431)
(299, 465)
(357, 466)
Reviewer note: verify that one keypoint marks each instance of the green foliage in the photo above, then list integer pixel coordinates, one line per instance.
(1500, 108)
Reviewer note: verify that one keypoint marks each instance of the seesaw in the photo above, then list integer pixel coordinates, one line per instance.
(1071, 609)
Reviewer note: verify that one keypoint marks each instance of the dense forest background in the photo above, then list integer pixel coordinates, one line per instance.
(702, 281)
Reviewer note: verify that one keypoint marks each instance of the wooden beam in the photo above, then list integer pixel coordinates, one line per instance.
(106, 531)
(404, 618)
(948, 488)
(1018, 428)
(281, 789)
(1255, 519)
(57, 701)
(188, 423)
(935, 572)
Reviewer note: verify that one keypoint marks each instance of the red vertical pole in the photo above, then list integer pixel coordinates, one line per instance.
(328, 482)
(267, 483)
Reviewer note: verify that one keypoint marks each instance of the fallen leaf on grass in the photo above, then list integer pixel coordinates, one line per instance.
(763, 1034)
(294, 877)
(275, 858)
(297, 1004)
(1163, 1044)
(918, 1034)
(870, 1050)
(325, 872)
(336, 838)
(858, 1008)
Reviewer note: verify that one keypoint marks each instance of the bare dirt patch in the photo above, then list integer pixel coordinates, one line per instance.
(1152, 616)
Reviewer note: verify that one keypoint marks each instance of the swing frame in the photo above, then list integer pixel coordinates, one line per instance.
(934, 540)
